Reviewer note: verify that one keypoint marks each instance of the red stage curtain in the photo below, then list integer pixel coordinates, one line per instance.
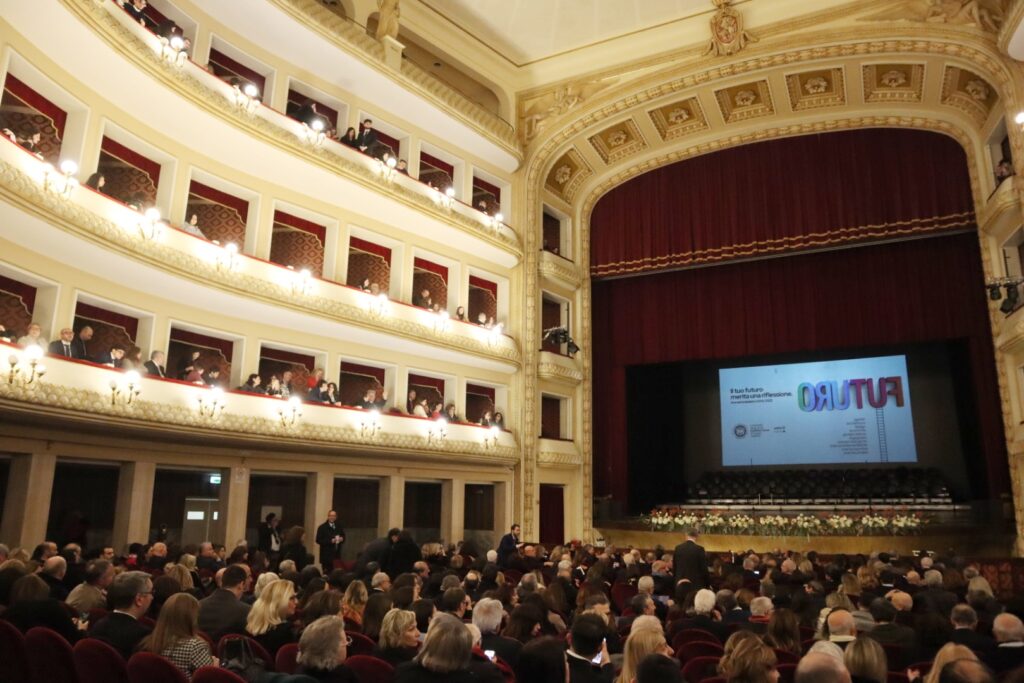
(896, 293)
(781, 196)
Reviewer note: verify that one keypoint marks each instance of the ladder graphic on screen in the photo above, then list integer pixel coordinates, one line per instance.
(883, 445)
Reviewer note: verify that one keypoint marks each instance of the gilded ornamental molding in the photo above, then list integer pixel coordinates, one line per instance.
(100, 19)
(19, 189)
(559, 373)
(560, 459)
(78, 402)
(349, 37)
(557, 268)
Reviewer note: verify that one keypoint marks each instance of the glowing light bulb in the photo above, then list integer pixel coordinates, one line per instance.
(251, 90)
(68, 167)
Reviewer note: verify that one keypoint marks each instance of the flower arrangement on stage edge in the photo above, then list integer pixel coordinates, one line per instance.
(873, 522)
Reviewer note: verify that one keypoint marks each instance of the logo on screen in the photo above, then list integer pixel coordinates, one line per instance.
(834, 395)
(739, 431)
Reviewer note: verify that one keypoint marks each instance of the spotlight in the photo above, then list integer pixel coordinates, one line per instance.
(995, 292)
(1010, 303)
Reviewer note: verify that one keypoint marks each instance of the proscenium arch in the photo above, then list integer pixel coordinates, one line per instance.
(956, 46)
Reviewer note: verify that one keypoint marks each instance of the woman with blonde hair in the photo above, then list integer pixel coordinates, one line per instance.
(354, 603)
(183, 576)
(866, 660)
(176, 636)
(949, 652)
(265, 579)
(638, 645)
(399, 637)
(269, 621)
(751, 661)
(849, 586)
(732, 643)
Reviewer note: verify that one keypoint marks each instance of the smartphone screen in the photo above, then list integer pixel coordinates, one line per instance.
(490, 654)
(597, 657)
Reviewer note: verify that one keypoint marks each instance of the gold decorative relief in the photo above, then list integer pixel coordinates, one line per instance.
(536, 111)
(747, 101)
(677, 119)
(815, 89)
(727, 34)
(893, 82)
(618, 142)
(987, 15)
(567, 174)
(968, 92)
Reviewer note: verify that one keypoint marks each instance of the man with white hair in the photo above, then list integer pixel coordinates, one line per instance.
(492, 556)
(934, 598)
(1008, 631)
(53, 573)
(487, 616)
(842, 629)
(817, 667)
(705, 617)
(646, 621)
(380, 583)
(761, 609)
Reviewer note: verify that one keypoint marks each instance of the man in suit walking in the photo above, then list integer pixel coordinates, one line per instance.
(330, 537)
(509, 544)
(690, 562)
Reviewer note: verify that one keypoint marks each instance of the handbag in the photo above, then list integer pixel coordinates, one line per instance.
(237, 656)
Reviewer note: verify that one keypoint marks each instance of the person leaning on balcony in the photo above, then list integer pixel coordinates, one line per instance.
(33, 337)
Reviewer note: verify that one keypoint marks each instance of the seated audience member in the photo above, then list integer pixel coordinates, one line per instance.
(269, 620)
(92, 593)
(30, 141)
(1004, 170)
(1008, 631)
(212, 378)
(252, 384)
(63, 346)
(196, 376)
(96, 181)
(865, 660)
(658, 669)
(33, 337)
(450, 413)
(587, 640)
(841, 628)
(155, 364)
(965, 623)
(967, 671)
(402, 167)
(350, 138)
(52, 573)
(370, 401)
(421, 409)
(487, 615)
(130, 595)
(424, 300)
(816, 667)
(323, 649)
(329, 395)
(543, 660)
(316, 393)
(481, 319)
(30, 605)
(886, 630)
(223, 612)
(460, 314)
(760, 614)
(208, 559)
(286, 384)
(136, 8)
(192, 226)
(7, 335)
(498, 421)
(638, 646)
(487, 419)
(274, 387)
(293, 548)
(188, 364)
(948, 653)
(446, 655)
(377, 605)
(113, 358)
(751, 661)
(399, 637)
(176, 636)
(354, 603)
(783, 632)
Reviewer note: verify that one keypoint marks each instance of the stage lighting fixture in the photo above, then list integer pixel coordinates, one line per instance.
(995, 292)
(1010, 303)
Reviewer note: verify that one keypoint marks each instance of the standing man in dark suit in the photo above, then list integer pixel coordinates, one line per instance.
(80, 347)
(330, 537)
(508, 545)
(130, 595)
(368, 139)
(65, 346)
(690, 562)
(270, 538)
(155, 364)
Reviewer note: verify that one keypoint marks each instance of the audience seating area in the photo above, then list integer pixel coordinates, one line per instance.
(807, 486)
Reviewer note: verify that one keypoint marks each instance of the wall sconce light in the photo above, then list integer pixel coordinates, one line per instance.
(441, 322)
(62, 182)
(1019, 118)
(173, 50)
(386, 168)
(300, 281)
(491, 439)
(437, 432)
(314, 133)
(494, 334)
(212, 405)
(445, 199)
(245, 98)
(227, 257)
(290, 413)
(497, 221)
(369, 425)
(124, 389)
(25, 367)
(379, 305)
(149, 224)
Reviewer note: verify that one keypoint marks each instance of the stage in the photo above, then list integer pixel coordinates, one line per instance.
(974, 542)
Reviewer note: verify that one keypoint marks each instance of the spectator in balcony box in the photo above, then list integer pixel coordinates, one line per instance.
(450, 413)
(402, 167)
(252, 385)
(315, 394)
(63, 346)
(487, 419)
(365, 285)
(421, 409)
(350, 138)
(1004, 170)
(370, 401)
(330, 395)
(196, 376)
(286, 384)
(424, 300)
(113, 358)
(437, 411)
(7, 335)
(33, 337)
(96, 181)
(481, 319)
(155, 364)
(314, 380)
(132, 359)
(368, 139)
(410, 401)
(188, 364)
(274, 386)
(30, 141)
(460, 314)
(80, 348)
(192, 227)
(498, 421)
(213, 378)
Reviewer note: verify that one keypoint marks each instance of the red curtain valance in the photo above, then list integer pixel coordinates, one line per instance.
(216, 196)
(481, 391)
(421, 381)
(481, 283)
(364, 370)
(369, 248)
(30, 97)
(226, 64)
(437, 163)
(781, 196)
(431, 267)
(485, 186)
(132, 158)
(318, 231)
(280, 356)
(101, 315)
(225, 347)
(297, 99)
(27, 293)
